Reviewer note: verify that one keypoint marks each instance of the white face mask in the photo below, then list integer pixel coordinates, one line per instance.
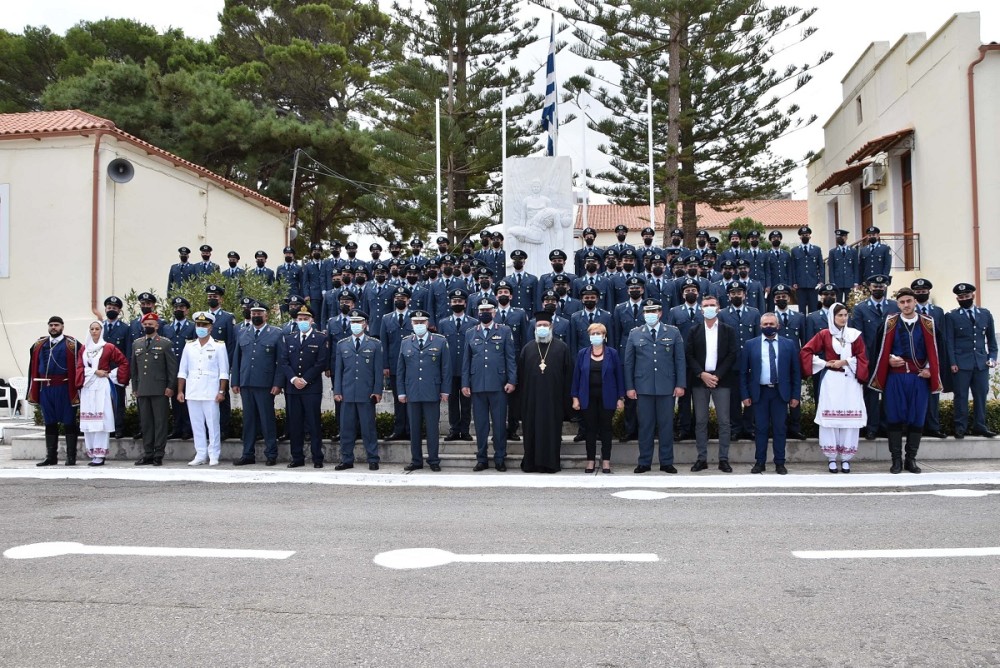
(542, 332)
(357, 328)
(420, 330)
(596, 339)
(650, 318)
(710, 312)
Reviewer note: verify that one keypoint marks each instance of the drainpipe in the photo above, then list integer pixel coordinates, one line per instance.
(983, 50)
(98, 179)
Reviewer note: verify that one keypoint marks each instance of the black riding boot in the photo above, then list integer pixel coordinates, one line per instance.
(72, 434)
(895, 434)
(912, 445)
(51, 446)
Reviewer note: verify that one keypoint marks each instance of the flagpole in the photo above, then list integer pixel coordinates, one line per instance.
(437, 141)
(503, 149)
(649, 139)
(583, 162)
(550, 112)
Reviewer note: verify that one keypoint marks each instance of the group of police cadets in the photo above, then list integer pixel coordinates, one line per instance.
(403, 322)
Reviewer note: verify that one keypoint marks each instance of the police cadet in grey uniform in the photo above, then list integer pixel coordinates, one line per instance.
(154, 377)
(843, 267)
(181, 331)
(233, 271)
(922, 291)
(972, 354)
(423, 374)
(116, 333)
(396, 326)
(808, 270)
(791, 326)
(291, 273)
(453, 328)
(357, 384)
(206, 266)
(223, 329)
(254, 376)
(180, 271)
(303, 357)
(746, 321)
(817, 322)
(489, 374)
(655, 375)
(260, 258)
(875, 257)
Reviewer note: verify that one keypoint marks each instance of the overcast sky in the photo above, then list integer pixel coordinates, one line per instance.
(846, 27)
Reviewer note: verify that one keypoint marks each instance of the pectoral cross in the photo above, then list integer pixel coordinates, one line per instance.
(542, 366)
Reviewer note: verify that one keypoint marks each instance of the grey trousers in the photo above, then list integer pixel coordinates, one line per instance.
(719, 397)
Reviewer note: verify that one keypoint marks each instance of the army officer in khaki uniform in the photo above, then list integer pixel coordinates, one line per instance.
(154, 377)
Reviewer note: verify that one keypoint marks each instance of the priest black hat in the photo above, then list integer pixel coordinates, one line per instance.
(543, 316)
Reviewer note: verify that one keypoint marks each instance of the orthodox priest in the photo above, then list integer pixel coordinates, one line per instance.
(545, 401)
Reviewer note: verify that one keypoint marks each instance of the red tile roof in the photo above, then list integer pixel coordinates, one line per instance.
(879, 144)
(843, 176)
(39, 124)
(773, 213)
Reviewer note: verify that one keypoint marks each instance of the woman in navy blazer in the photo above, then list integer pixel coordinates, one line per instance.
(598, 388)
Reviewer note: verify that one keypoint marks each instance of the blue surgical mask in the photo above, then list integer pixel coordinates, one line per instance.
(303, 325)
(201, 332)
(596, 339)
(651, 318)
(357, 328)
(710, 311)
(420, 330)
(542, 332)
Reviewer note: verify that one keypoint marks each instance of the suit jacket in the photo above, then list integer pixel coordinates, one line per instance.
(874, 259)
(154, 368)
(612, 378)
(864, 317)
(517, 320)
(816, 322)
(179, 273)
(796, 327)
(376, 302)
(728, 354)
(180, 333)
(655, 366)
(779, 267)
(255, 363)
(291, 274)
(204, 268)
(455, 335)
(623, 322)
(843, 267)
(758, 259)
(970, 347)
(312, 279)
(265, 272)
(545, 282)
(358, 375)
(233, 272)
(523, 294)
(423, 375)
(808, 268)
(680, 317)
(224, 329)
(789, 370)
(336, 331)
(391, 335)
(578, 259)
(489, 363)
(747, 324)
(754, 294)
(306, 360)
(117, 334)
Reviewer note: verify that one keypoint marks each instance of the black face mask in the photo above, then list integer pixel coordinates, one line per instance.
(486, 317)
(246, 314)
(337, 283)
(676, 241)
(145, 309)
(361, 280)
(449, 271)
(841, 241)
(690, 298)
(878, 294)
(590, 304)
(345, 308)
(232, 264)
(257, 320)
(394, 273)
(805, 239)
(610, 264)
(922, 298)
(629, 267)
(776, 244)
(432, 275)
(206, 258)
(657, 271)
(292, 311)
(872, 240)
(648, 241)
(550, 307)
(519, 264)
(781, 303)
(149, 330)
(496, 244)
(621, 238)
(458, 308)
(178, 315)
(503, 299)
(692, 271)
(315, 256)
(736, 301)
(260, 263)
(966, 303)
(412, 280)
(744, 275)
(754, 243)
(289, 259)
(829, 301)
(561, 291)
(679, 272)
(184, 258)
(399, 304)
(484, 285)
(728, 275)
(112, 315)
(557, 267)
(591, 268)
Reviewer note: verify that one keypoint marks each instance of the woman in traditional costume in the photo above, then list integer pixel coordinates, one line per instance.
(103, 373)
(838, 353)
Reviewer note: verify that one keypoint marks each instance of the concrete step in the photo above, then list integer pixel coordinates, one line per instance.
(460, 454)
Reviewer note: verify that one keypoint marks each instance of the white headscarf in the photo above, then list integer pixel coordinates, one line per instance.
(845, 336)
(92, 345)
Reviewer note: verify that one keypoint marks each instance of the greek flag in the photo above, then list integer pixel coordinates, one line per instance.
(550, 116)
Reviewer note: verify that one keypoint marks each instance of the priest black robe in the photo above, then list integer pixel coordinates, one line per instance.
(545, 402)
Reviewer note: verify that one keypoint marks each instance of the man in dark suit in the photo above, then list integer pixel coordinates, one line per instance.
(808, 271)
(875, 257)
(756, 260)
(453, 328)
(659, 286)
(255, 377)
(620, 282)
(424, 373)
(712, 351)
(291, 273)
(621, 232)
(922, 292)
(972, 354)
(771, 383)
(206, 266)
(868, 316)
(628, 316)
(843, 267)
(303, 357)
(734, 252)
(376, 299)
(557, 259)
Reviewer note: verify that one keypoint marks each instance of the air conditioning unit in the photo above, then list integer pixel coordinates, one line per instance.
(873, 176)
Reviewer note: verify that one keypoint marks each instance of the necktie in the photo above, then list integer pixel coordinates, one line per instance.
(772, 357)
(784, 320)
(400, 319)
(878, 309)
(256, 334)
(591, 318)
(519, 280)
(691, 311)
(635, 311)
(923, 310)
(343, 324)
(739, 314)
(421, 345)
(107, 328)
(503, 317)
(357, 345)
(148, 341)
(972, 317)
(302, 340)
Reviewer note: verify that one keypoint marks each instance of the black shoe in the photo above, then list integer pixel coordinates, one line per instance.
(373, 466)
(758, 468)
(244, 461)
(797, 435)
(396, 437)
(48, 461)
(413, 467)
(984, 434)
(283, 438)
(725, 467)
(466, 436)
(935, 433)
(780, 469)
(118, 434)
(176, 436)
(343, 467)
(158, 461)
(668, 468)
(513, 436)
(579, 437)
(735, 437)
(605, 470)
(436, 468)
(317, 465)
(641, 469)
(699, 465)
(271, 462)
(145, 461)
(501, 467)
(295, 465)
(911, 465)
(100, 463)
(137, 436)
(452, 437)
(959, 434)
(845, 467)
(897, 465)
(70, 462)
(480, 466)
(870, 434)
(684, 436)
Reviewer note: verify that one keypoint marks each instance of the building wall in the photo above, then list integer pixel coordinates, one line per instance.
(143, 222)
(920, 83)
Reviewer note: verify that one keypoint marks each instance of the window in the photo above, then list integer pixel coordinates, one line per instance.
(866, 209)
(857, 106)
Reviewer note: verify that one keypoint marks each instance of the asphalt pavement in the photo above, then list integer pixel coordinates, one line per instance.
(726, 589)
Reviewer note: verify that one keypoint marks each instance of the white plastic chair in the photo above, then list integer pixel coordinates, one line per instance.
(20, 384)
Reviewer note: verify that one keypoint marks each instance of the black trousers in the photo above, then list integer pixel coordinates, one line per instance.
(459, 408)
(303, 412)
(597, 422)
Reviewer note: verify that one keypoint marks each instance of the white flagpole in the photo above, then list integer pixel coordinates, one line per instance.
(437, 137)
(583, 162)
(649, 138)
(503, 150)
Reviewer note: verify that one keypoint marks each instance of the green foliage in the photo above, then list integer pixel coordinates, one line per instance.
(193, 290)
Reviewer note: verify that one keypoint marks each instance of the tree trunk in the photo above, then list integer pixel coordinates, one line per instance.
(672, 186)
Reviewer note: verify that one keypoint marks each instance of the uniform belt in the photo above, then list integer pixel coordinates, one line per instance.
(54, 379)
(909, 367)
(769, 385)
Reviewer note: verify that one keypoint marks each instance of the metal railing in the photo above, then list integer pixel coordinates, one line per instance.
(905, 248)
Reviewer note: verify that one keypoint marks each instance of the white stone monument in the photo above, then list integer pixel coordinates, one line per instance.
(538, 210)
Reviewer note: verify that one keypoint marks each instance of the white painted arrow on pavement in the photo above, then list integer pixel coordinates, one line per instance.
(428, 557)
(43, 550)
(901, 554)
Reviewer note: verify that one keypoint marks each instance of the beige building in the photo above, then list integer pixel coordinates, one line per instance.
(70, 235)
(913, 149)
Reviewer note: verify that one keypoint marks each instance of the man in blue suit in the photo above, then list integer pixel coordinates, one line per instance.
(206, 266)
(453, 328)
(771, 383)
(621, 232)
(746, 321)
(655, 376)
(922, 292)
(255, 377)
(423, 373)
(972, 354)
(627, 316)
(557, 259)
(580, 257)
(357, 385)
(233, 271)
(376, 298)
(867, 317)
(620, 281)
(489, 374)
(116, 333)
(875, 257)
(843, 267)
(808, 271)
(302, 359)
(757, 260)
(581, 320)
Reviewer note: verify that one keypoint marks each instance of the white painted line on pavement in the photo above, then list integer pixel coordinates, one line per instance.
(56, 549)
(901, 554)
(566, 480)
(428, 557)
(648, 495)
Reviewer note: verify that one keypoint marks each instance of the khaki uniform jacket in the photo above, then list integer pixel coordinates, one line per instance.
(154, 368)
